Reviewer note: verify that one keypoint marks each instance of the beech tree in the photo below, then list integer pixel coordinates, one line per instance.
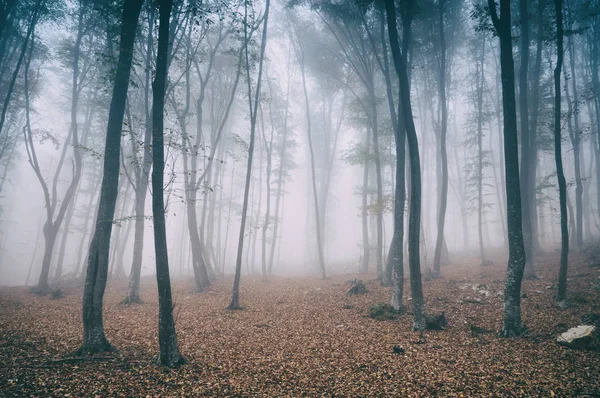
(169, 350)
(94, 339)
(516, 262)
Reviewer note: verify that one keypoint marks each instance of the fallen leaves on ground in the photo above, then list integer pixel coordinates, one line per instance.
(307, 337)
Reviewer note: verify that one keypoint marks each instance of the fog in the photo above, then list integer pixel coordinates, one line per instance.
(207, 45)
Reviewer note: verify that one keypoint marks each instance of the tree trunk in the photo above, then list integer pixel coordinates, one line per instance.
(141, 182)
(576, 142)
(167, 338)
(312, 164)
(400, 61)
(516, 261)
(535, 112)
(235, 296)
(396, 255)
(364, 208)
(94, 339)
(443, 197)
(562, 184)
(480, 81)
(527, 186)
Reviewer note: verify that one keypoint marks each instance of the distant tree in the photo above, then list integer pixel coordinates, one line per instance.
(300, 56)
(55, 212)
(253, 107)
(527, 186)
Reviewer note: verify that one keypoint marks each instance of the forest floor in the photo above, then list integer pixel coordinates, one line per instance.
(306, 337)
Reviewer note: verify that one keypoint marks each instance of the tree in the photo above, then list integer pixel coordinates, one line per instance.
(516, 261)
(94, 339)
(443, 196)
(527, 186)
(414, 223)
(253, 107)
(140, 176)
(167, 338)
(562, 185)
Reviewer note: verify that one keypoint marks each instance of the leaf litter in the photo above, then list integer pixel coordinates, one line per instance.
(307, 337)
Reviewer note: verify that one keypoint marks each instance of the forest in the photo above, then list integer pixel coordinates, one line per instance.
(300, 198)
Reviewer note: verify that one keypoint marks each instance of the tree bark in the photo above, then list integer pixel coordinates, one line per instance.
(527, 186)
(443, 151)
(167, 338)
(94, 339)
(400, 61)
(253, 106)
(562, 184)
(512, 325)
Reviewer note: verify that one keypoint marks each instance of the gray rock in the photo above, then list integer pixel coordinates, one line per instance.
(580, 337)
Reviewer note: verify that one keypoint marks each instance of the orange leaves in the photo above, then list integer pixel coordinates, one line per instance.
(305, 337)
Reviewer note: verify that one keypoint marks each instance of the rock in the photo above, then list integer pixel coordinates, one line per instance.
(580, 337)
(358, 287)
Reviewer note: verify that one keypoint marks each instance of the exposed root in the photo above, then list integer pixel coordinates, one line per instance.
(173, 361)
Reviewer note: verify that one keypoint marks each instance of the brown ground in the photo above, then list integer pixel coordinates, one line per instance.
(305, 337)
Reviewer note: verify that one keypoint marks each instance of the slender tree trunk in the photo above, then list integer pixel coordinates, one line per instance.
(535, 111)
(167, 338)
(396, 255)
(281, 173)
(142, 180)
(562, 184)
(235, 296)
(300, 55)
(576, 142)
(378, 182)
(414, 224)
(443, 151)
(364, 208)
(30, 32)
(480, 81)
(527, 186)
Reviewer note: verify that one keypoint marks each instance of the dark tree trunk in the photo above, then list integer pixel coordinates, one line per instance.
(562, 185)
(167, 338)
(516, 249)
(94, 339)
(400, 61)
(30, 31)
(396, 255)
